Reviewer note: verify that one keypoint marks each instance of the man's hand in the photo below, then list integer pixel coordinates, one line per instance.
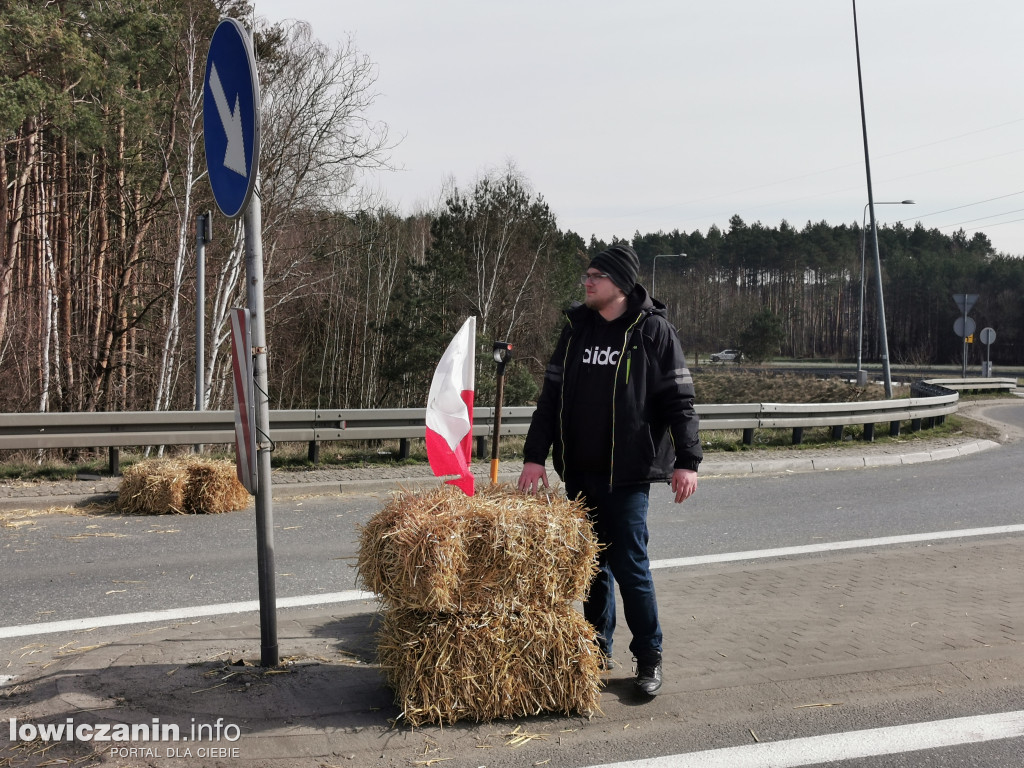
(532, 477)
(684, 483)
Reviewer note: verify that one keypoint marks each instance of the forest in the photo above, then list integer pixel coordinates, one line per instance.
(101, 117)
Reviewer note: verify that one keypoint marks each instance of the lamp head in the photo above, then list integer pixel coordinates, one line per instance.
(502, 352)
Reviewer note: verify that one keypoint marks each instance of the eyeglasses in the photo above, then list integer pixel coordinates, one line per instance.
(592, 277)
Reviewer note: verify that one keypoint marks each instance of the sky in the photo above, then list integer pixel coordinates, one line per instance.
(657, 115)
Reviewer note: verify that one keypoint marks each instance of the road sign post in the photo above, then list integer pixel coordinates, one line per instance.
(966, 325)
(204, 234)
(253, 224)
(231, 135)
(988, 336)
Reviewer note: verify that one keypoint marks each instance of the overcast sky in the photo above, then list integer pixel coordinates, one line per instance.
(676, 114)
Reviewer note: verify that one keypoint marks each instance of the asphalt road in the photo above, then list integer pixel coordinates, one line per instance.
(63, 567)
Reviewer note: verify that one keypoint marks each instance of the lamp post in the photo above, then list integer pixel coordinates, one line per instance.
(502, 353)
(654, 264)
(886, 372)
(862, 375)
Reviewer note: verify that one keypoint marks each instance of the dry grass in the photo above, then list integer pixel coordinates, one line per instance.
(447, 552)
(772, 387)
(477, 595)
(190, 485)
(487, 666)
(213, 487)
(153, 487)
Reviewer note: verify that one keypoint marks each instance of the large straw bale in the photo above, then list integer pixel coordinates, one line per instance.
(213, 487)
(153, 487)
(449, 667)
(443, 551)
(191, 485)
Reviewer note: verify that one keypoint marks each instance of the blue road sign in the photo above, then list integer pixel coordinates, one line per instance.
(231, 117)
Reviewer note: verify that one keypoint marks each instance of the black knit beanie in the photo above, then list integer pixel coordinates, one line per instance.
(621, 264)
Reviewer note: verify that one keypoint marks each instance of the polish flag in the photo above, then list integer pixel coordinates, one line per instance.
(450, 410)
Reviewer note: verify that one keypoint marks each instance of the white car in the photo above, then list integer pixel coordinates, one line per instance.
(727, 356)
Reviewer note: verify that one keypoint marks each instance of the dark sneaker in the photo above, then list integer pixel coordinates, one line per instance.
(607, 663)
(648, 675)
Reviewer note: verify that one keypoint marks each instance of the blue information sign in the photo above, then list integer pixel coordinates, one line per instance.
(231, 117)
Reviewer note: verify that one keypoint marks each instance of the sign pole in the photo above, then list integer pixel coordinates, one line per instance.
(253, 223)
(231, 136)
(964, 373)
(966, 302)
(204, 234)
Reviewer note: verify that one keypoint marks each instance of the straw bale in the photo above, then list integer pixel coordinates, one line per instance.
(191, 485)
(443, 551)
(153, 487)
(213, 487)
(449, 667)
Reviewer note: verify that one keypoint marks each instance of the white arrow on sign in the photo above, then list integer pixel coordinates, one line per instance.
(234, 154)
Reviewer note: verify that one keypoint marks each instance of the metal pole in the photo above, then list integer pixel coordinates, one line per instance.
(862, 376)
(502, 354)
(253, 223)
(498, 398)
(963, 374)
(654, 265)
(886, 373)
(203, 236)
(202, 228)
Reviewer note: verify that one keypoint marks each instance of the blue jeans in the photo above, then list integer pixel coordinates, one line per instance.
(620, 523)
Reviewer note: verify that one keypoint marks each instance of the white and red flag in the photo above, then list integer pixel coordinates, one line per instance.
(450, 410)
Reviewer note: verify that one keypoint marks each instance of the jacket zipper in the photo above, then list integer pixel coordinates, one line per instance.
(615, 387)
(561, 400)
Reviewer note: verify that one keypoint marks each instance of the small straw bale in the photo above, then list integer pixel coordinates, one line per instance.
(213, 487)
(153, 487)
(442, 551)
(449, 667)
(192, 485)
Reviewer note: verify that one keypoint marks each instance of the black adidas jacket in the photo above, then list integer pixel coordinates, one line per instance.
(654, 424)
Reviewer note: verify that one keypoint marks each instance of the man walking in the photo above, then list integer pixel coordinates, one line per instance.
(617, 408)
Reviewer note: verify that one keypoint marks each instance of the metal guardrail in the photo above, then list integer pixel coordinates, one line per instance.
(27, 431)
(975, 384)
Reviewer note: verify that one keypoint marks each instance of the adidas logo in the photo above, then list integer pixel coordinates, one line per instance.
(598, 356)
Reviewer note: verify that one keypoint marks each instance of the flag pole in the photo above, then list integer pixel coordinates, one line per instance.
(502, 354)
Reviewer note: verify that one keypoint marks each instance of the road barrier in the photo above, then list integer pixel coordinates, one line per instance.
(978, 384)
(116, 430)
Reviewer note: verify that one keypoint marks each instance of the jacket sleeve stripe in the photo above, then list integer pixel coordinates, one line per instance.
(681, 376)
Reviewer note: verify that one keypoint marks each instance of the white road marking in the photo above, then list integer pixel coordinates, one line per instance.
(180, 614)
(815, 750)
(835, 546)
(353, 595)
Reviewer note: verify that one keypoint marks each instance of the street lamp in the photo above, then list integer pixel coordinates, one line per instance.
(654, 265)
(886, 372)
(862, 375)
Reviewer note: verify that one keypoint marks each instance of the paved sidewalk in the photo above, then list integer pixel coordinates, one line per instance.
(746, 643)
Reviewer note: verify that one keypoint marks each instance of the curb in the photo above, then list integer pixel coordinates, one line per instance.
(388, 484)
